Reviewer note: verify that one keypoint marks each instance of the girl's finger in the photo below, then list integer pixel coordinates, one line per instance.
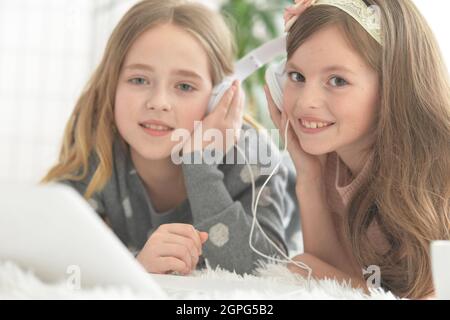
(283, 125)
(292, 13)
(184, 230)
(178, 251)
(290, 138)
(241, 104)
(240, 108)
(185, 242)
(203, 236)
(225, 102)
(287, 15)
(167, 264)
(234, 107)
(295, 149)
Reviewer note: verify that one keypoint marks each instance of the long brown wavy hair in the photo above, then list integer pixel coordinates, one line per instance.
(408, 191)
(90, 130)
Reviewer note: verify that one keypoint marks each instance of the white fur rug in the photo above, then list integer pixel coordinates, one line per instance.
(269, 282)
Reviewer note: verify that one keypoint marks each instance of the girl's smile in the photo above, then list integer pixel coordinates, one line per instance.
(156, 128)
(310, 125)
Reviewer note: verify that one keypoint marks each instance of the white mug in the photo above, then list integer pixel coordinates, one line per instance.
(440, 262)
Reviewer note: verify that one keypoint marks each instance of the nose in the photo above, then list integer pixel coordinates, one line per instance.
(158, 101)
(311, 96)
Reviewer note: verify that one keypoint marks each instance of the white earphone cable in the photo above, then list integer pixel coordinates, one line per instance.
(254, 212)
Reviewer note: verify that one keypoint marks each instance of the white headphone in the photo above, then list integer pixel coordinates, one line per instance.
(275, 79)
(250, 64)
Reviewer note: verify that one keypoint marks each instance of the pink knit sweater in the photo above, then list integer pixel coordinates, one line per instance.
(341, 188)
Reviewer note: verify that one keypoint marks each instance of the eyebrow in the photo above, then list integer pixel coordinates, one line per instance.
(188, 73)
(139, 66)
(180, 72)
(324, 70)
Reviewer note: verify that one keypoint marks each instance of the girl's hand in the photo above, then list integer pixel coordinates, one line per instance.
(227, 115)
(310, 168)
(173, 248)
(293, 12)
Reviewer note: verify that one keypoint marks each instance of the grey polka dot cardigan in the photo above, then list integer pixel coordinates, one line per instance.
(219, 202)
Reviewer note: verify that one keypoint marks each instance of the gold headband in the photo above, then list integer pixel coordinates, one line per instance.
(367, 17)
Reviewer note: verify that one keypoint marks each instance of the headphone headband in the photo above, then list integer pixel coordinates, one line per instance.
(260, 57)
(249, 65)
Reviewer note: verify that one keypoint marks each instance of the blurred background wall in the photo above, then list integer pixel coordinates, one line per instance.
(48, 49)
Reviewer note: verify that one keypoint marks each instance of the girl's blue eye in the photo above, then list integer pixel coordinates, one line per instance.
(296, 77)
(185, 87)
(138, 81)
(338, 82)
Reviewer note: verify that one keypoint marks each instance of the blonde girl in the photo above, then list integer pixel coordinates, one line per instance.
(156, 76)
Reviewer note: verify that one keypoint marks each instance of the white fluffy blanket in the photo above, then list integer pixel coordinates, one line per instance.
(269, 282)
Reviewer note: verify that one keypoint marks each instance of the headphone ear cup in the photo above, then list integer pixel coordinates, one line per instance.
(217, 94)
(275, 79)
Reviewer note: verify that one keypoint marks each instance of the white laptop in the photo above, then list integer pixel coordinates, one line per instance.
(53, 232)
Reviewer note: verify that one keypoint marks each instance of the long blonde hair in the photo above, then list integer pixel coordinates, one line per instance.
(408, 191)
(90, 130)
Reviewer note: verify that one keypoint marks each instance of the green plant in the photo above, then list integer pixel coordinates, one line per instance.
(254, 22)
